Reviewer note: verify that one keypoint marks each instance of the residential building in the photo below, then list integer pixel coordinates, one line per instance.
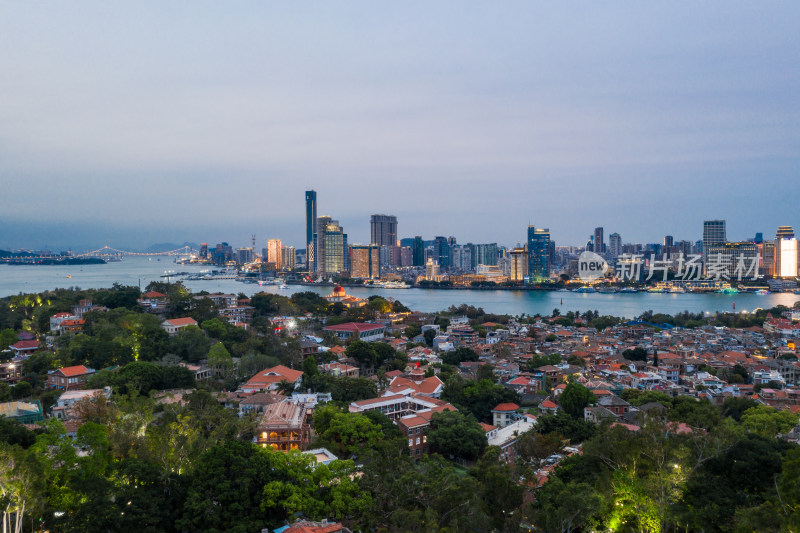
(733, 259)
(69, 378)
(24, 348)
(269, 379)
(598, 241)
(365, 261)
(172, 325)
(331, 247)
(274, 259)
(288, 257)
(615, 245)
(358, 330)
(283, 426)
(519, 264)
(504, 414)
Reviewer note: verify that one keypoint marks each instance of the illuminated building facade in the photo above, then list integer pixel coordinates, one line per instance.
(786, 253)
(713, 233)
(538, 254)
(365, 261)
(519, 264)
(274, 257)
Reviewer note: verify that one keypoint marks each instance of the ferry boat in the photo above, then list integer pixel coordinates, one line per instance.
(585, 289)
(628, 290)
(728, 290)
(762, 291)
(655, 290)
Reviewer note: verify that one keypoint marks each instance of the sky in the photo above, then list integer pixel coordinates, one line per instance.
(132, 123)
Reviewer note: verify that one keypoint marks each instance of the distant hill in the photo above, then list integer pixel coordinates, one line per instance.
(167, 246)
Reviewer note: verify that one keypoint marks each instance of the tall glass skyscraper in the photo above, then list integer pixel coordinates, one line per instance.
(418, 252)
(311, 228)
(538, 254)
(713, 233)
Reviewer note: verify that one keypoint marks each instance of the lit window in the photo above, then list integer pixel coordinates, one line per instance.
(410, 442)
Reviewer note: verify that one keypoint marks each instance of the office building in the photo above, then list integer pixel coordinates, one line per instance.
(785, 253)
(668, 242)
(245, 255)
(204, 251)
(274, 258)
(461, 258)
(365, 261)
(311, 228)
(406, 256)
(598, 241)
(615, 245)
(330, 247)
(519, 264)
(731, 255)
(538, 254)
(383, 230)
(713, 233)
(418, 251)
(485, 254)
(441, 252)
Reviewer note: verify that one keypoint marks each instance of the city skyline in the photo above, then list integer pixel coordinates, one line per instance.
(128, 125)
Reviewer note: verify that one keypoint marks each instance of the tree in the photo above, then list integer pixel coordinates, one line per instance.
(565, 507)
(350, 433)
(7, 338)
(452, 433)
(459, 355)
(220, 360)
(635, 354)
(363, 352)
(429, 335)
(477, 397)
(574, 398)
(767, 421)
(576, 430)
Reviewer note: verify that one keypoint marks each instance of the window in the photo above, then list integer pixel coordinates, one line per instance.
(410, 442)
(417, 440)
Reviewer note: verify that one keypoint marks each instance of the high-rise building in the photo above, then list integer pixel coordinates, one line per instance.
(731, 255)
(713, 233)
(441, 252)
(406, 256)
(311, 228)
(538, 254)
(383, 230)
(461, 258)
(668, 241)
(431, 269)
(615, 245)
(204, 251)
(274, 254)
(485, 254)
(785, 253)
(418, 251)
(245, 255)
(598, 241)
(519, 264)
(365, 261)
(288, 257)
(330, 247)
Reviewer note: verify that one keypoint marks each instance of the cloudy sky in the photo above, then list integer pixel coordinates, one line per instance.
(141, 122)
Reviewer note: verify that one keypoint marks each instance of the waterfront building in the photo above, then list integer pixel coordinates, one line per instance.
(484, 254)
(461, 258)
(441, 251)
(519, 264)
(730, 254)
(713, 233)
(204, 250)
(431, 270)
(365, 261)
(538, 254)
(406, 256)
(418, 252)
(274, 256)
(786, 253)
(598, 241)
(330, 247)
(767, 251)
(311, 228)
(288, 257)
(383, 230)
(340, 296)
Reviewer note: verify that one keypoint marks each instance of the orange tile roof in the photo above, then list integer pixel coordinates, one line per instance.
(186, 321)
(72, 371)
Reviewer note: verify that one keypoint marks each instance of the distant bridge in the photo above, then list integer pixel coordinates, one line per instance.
(109, 251)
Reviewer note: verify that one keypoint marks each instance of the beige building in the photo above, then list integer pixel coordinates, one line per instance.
(365, 261)
(274, 253)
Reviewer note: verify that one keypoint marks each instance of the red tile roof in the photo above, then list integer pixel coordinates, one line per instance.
(187, 321)
(25, 345)
(274, 375)
(354, 326)
(72, 371)
(504, 407)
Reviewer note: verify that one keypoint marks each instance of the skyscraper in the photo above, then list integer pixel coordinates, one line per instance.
(311, 228)
(598, 240)
(538, 254)
(441, 252)
(615, 245)
(519, 264)
(364, 261)
(274, 256)
(713, 233)
(418, 251)
(668, 241)
(785, 253)
(331, 244)
(383, 230)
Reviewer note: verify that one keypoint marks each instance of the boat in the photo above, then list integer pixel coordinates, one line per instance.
(607, 290)
(728, 290)
(676, 290)
(585, 289)
(762, 291)
(628, 289)
(655, 290)
(283, 286)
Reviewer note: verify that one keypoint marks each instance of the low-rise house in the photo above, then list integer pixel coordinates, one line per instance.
(172, 325)
(11, 371)
(69, 398)
(322, 455)
(22, 412)
(358, 330)
(339, 370)
(24, 348)
(258, 402)
(270, 378)
(69, 378)
(505, 414)
(283, 426)
(506, 437)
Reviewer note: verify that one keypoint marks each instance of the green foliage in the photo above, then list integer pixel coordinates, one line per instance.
(459, 355)
(454, 434)
(7, 338)
(142, 377)
(477, 397)
(538, 361)
(574, 398)
(576, 430)
(348, 434)
(767, 421)
(635, 354)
